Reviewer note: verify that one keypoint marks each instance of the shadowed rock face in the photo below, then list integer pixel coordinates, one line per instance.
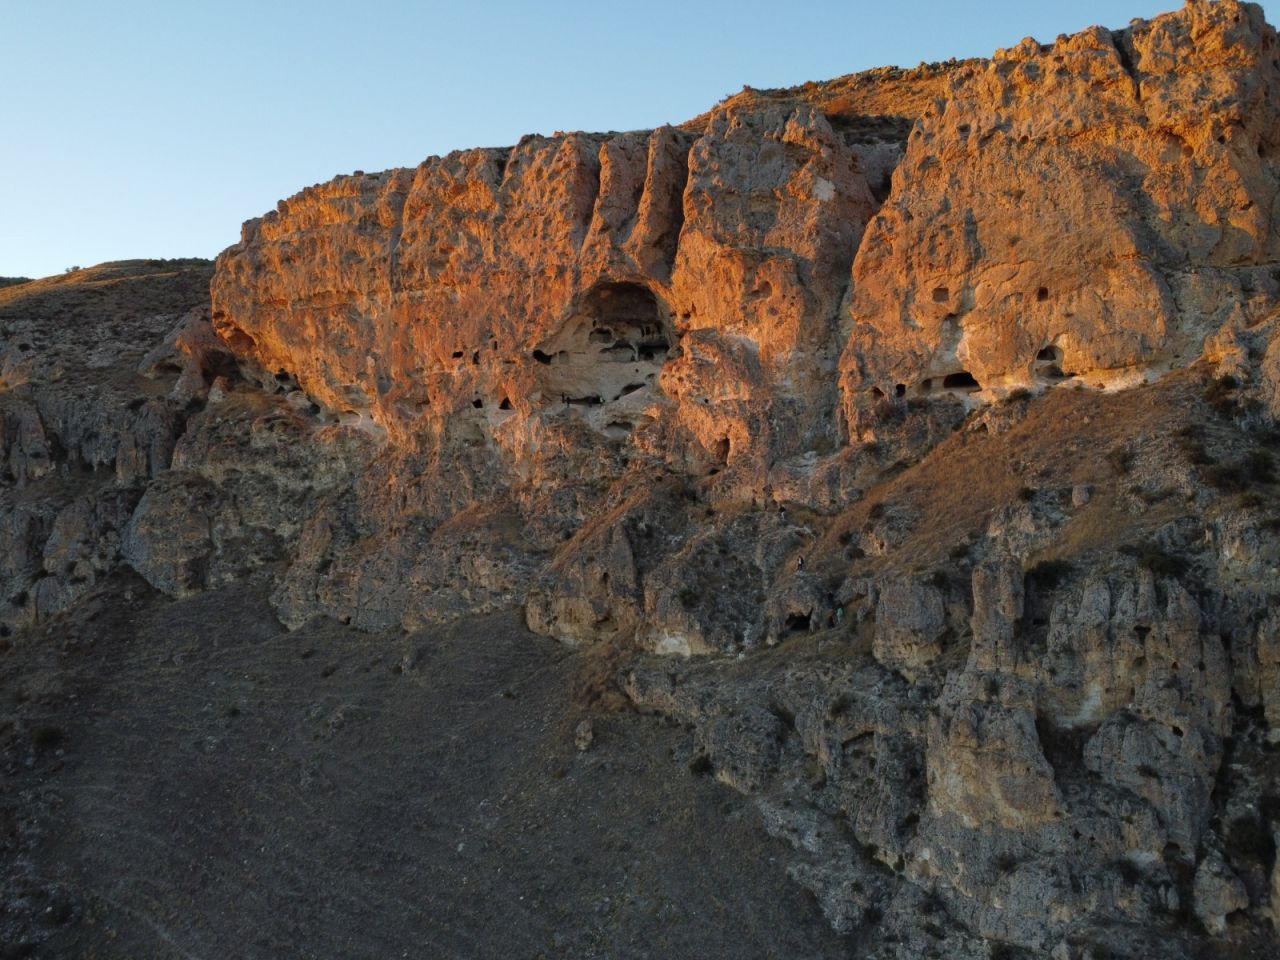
(808, 424)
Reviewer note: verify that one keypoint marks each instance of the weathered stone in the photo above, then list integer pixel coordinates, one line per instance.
(1218, 893)
(910, 621)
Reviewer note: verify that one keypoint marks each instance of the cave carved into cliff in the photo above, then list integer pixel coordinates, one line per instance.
(610, 349)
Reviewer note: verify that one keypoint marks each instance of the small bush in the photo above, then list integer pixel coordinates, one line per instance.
(1121, 460)
(1261, 466)
(1027, 494)
(1221, 395)
(1227, 477)
(1007, 862)
(1195, 452)
(1018, 395)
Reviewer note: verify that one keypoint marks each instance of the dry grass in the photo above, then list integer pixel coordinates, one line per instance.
(1067, 438)
(118, 288)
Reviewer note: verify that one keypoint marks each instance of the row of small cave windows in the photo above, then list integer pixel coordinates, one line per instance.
(475, 354)
(591, 401)
(952, 381)
(943, 294)
(1048, 358)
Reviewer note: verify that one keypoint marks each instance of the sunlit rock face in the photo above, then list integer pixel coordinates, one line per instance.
(616, 280)
(1090, 208)
(749, 304)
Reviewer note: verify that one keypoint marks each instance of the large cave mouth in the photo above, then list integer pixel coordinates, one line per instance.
(612, 348)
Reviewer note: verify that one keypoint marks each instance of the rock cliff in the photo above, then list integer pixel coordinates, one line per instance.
(908, 439)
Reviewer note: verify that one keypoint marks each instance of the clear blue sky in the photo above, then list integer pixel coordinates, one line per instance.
(152, 129)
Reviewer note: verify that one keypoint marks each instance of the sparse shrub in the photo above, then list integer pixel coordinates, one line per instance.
(1007, 862)
(1018, 395)
(1027, 494)
(886, 409)
(1251, 500)
(840, 705)
(1158, 495)
(1121, 460)
(959, 551)
(1221, 395)
(1261, 466)
(1227, 477)
(876, 511)
(1194, 450)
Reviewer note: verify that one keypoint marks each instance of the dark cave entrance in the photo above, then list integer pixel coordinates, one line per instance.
(612, 348)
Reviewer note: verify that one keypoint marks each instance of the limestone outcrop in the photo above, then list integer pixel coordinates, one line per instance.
(907, 440)
(1085, 210)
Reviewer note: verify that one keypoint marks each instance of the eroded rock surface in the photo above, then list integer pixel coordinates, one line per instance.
(908, 441)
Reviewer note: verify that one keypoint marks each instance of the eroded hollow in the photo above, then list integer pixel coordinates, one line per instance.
(611, 348)
(962, 380)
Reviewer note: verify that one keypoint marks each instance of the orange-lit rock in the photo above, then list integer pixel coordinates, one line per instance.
(1090, 209)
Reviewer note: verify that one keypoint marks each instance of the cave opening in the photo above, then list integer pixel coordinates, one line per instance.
(797, 623)
(962, 380)
(611, 348)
